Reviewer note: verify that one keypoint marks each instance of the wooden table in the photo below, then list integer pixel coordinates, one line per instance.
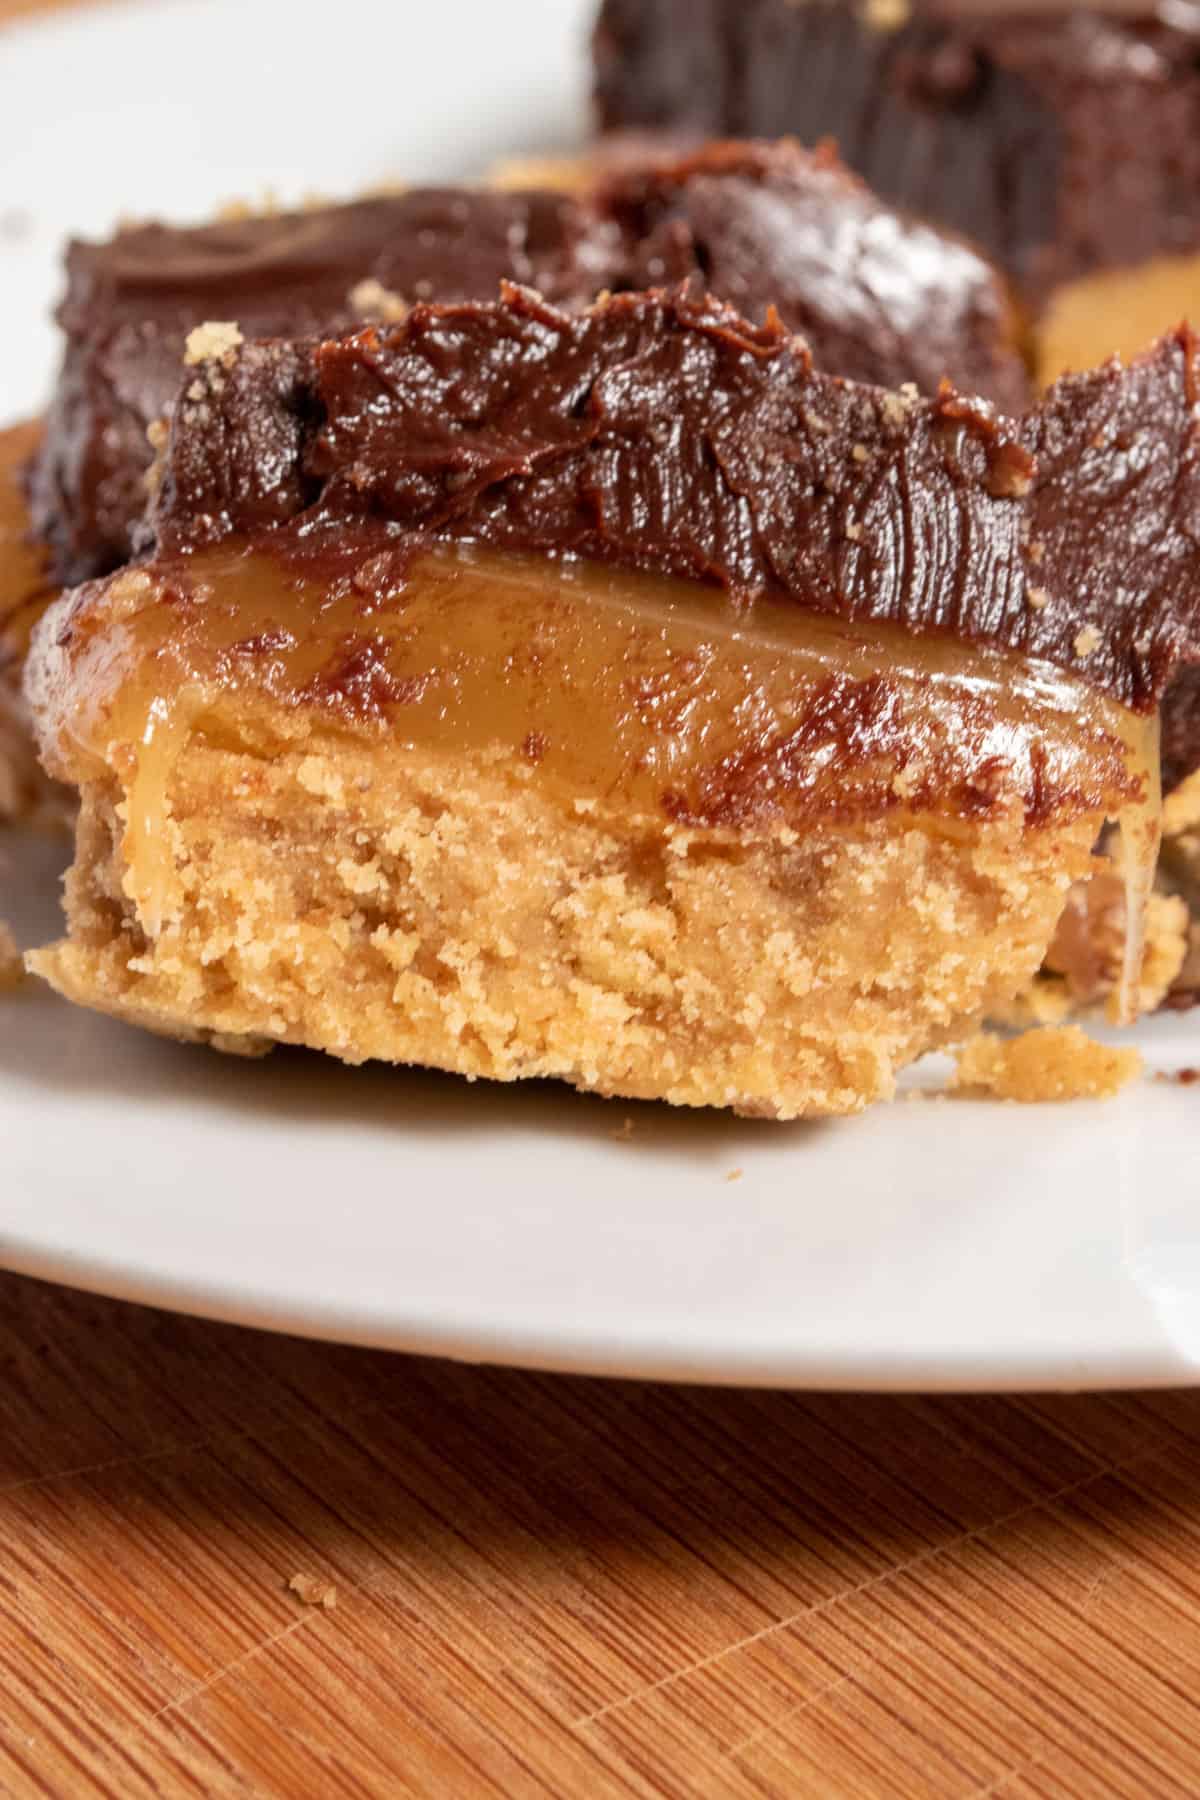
(551, 1586)
(560, 1587)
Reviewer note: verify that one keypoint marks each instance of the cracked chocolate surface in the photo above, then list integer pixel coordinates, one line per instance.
(878, 296)
(668, 434)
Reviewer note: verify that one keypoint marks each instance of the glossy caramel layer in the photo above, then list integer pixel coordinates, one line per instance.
(650, 693)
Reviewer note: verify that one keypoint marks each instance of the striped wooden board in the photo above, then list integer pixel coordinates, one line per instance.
(552, 1586)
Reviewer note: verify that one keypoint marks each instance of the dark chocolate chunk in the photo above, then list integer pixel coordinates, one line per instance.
(878, 297)
(1061, 139)
(667, 433)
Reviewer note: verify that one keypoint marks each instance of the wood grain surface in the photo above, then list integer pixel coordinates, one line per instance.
(551, 1586)
(547, 1586)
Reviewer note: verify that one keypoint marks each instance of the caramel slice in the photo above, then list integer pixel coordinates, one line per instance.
(514, 816)
(1060, 138)
(614, 696)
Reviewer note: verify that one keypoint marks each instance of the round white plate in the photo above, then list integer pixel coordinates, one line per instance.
(936, 1244)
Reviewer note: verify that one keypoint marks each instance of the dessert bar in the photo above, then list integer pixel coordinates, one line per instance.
(879, 297)
(612, 695)
(1062, 139)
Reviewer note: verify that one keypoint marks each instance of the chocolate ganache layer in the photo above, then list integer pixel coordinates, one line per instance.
(668, 434)
(878, 296)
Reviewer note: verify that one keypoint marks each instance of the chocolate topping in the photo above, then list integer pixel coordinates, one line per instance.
(1062, 139)
(667, 433)
(878, 297)
(131, 303)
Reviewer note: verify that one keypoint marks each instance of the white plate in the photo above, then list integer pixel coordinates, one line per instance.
(927, 1245)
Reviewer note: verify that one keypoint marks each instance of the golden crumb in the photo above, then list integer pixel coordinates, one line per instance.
(1037, 597)
(897, 406)
(314, 1592)
(212, 339)
(1051, 1063)
(563, 174)
(1048, 1000)
(1167, 930)
(907, 780)
(735, 1175)
(157, 434)
(1011, 473)
(12, 967)
(1181, 807)
(625, 1133)
(860, 453)
(267, 206)
(371, 300)
(1086, 641)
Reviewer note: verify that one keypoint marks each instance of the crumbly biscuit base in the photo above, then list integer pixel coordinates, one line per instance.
(375, 901)
(1054, 995)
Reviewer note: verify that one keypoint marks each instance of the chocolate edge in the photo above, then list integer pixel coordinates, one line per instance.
(1068, 535)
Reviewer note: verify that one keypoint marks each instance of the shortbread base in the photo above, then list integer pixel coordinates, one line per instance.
(378, 902)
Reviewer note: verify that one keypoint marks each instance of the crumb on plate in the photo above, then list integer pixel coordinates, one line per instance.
(1051, 1063)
